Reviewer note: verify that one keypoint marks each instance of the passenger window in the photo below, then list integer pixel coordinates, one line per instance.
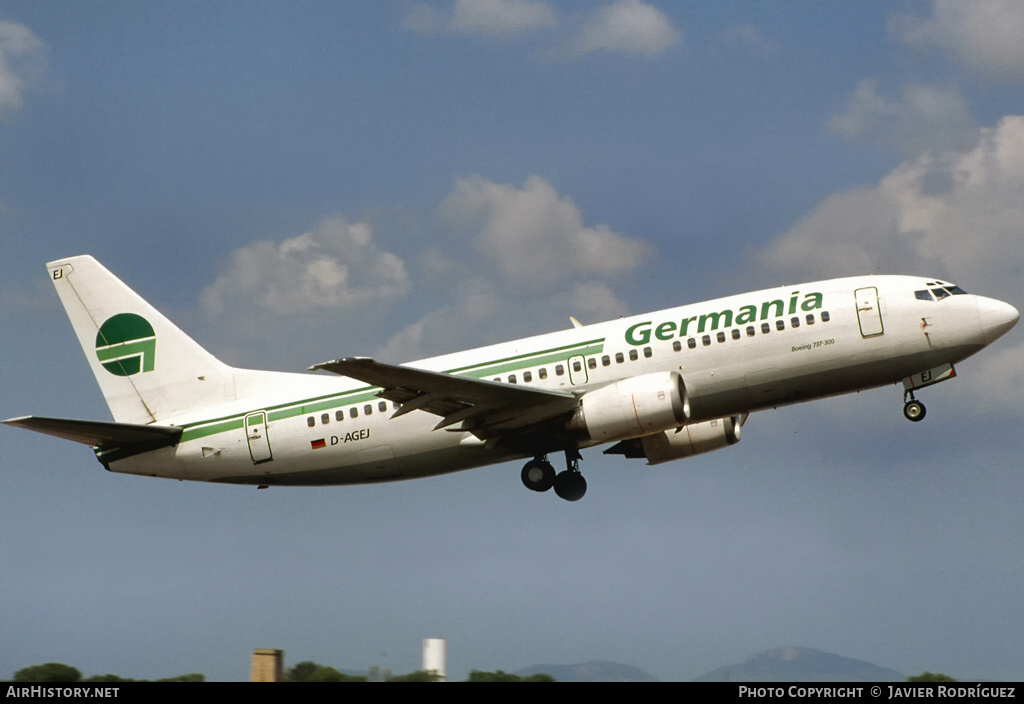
(647, 352)
(633, 355)
(592, 363)
(706, 340)
(824, 316)
(325, 418)
(765, 328)
(527, 377)
(543, 373)
(750, 331)
(311, 421)
(810, 319)
(720, 336)
(353, 412)
(691, 343)
(619, 358)
(559, 371)
(511, 378)
(382, 406)
(368, 409)
(676, 345)
(339, 416)
(735, 333)
(795, 322)
(780, 324)
(605, 361)
(576, 366)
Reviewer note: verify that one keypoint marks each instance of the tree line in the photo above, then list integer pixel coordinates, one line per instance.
(306, 671)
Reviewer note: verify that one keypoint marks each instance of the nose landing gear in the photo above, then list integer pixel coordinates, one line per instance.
(913, 409)
(569, 484)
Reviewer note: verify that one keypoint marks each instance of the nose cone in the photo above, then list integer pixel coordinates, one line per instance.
(996, 318)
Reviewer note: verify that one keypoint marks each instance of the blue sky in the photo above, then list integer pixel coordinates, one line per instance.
(293, 182)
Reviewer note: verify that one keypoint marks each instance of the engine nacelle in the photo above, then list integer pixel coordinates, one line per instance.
(678, 443)
(632, 407)
(691, 440)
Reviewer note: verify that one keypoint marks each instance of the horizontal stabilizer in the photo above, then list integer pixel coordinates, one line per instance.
(101, 435)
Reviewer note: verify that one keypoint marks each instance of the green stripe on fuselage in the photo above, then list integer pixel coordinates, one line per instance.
(318, 404)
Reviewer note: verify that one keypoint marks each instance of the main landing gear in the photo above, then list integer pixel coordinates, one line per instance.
(912, 408)
(539, 475)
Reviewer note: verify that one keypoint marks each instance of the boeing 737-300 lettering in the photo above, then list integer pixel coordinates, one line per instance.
(661, 386)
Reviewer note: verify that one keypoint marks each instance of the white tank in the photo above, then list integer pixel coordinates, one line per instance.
(435, 656)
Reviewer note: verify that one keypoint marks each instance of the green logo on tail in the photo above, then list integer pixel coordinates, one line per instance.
(126, 345)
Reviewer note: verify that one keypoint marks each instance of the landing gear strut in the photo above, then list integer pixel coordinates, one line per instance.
(569, 484)
(912, 408)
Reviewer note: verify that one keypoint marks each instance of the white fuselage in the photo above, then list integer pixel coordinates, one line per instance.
(736, 355)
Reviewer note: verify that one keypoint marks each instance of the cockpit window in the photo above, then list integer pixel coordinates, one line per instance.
(940, 291)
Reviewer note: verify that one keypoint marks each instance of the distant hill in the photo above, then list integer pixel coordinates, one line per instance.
(794, 664)
(593, 671)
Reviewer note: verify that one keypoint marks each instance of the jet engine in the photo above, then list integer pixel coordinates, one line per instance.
(678, 443)
(632, 407)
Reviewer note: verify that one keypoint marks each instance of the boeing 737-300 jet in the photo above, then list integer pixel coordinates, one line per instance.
(660, 386)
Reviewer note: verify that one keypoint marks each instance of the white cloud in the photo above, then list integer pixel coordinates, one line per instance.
(986, 36)
(627, 26)
(524, 263)
(482, 313)
(494, 18)
(534, 236)
(22, 60)
(957, 215)
(336, 265)
(594, 302)
(469, 319)
(501, 17)
(923, 117)
(517, 261)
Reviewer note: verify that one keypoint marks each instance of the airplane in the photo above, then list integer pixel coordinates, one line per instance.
(661, 386)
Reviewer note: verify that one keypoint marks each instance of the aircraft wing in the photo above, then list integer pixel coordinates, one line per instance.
(478, 405)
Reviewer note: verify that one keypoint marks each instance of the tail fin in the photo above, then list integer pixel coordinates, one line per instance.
(147, 369)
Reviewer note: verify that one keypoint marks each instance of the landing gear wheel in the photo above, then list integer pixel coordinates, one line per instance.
(538, 475)
(570, 485)
(914, 410)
